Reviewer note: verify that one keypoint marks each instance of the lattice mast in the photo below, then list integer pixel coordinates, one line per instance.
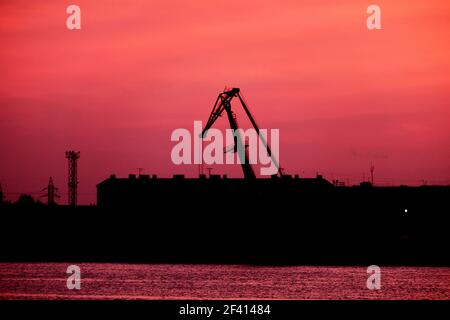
(72, 156)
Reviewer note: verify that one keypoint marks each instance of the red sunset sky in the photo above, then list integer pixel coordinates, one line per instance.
(341, 95)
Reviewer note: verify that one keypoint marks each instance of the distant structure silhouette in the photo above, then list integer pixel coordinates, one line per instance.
(1, 194)
(72, 156)
(51, 192)
(372, 169)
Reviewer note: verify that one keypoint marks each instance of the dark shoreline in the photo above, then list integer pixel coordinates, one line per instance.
(333, 227)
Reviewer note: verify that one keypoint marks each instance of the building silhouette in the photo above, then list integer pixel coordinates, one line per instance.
(146, 190)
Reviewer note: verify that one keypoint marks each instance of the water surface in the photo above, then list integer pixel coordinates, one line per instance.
(150, 281)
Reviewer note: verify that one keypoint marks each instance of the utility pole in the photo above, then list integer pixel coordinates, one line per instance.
(372, 169)
(72, 156)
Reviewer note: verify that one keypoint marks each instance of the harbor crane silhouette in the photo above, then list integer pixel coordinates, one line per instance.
(223, 103)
